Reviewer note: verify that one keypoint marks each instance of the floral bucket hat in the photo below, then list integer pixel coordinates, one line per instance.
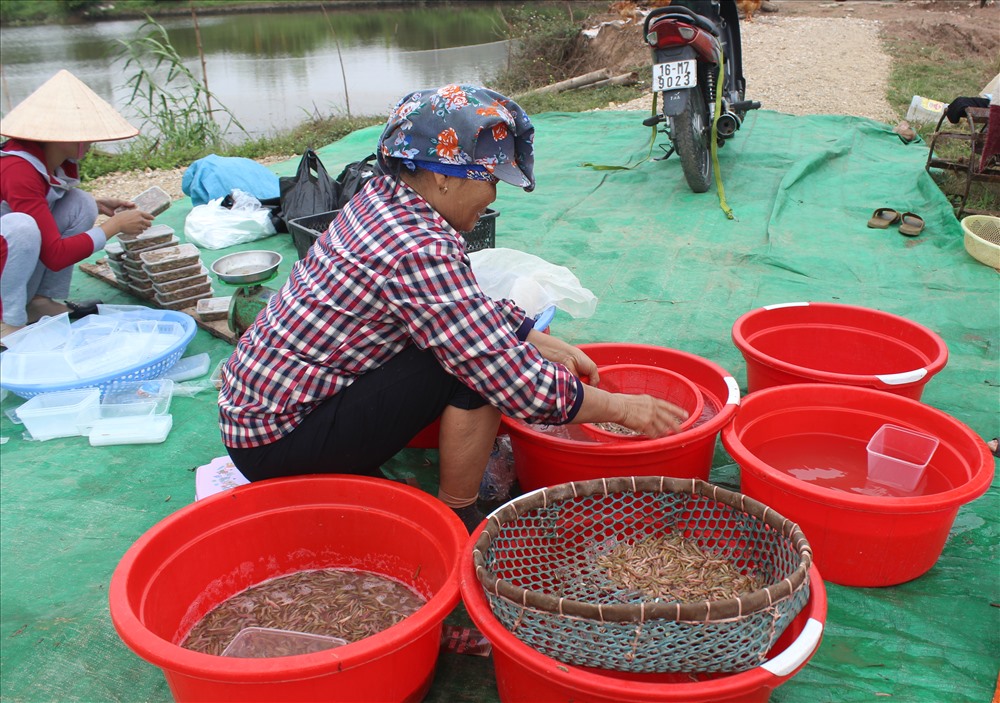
(462, 125)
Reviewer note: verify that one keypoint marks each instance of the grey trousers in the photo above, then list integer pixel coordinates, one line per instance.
(24, 275)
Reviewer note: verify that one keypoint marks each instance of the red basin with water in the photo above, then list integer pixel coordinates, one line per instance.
(802, 451)
(207, 552)
(542, 459)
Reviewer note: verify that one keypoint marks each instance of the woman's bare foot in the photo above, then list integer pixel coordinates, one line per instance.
(40, 306)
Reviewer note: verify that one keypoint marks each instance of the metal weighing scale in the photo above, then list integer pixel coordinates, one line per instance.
(248, 270)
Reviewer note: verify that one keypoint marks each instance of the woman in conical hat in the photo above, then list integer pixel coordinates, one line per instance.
(47, 224)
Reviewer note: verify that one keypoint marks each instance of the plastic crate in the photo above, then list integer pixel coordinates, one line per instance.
(484, 234)
(306, 230)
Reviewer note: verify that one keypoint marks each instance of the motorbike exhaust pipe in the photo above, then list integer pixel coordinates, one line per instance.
(727, 125)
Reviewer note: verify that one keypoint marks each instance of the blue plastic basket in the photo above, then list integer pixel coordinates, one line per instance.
(150, 368)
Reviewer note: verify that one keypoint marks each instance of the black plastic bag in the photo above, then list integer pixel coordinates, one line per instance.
(354, 177)
(309, 192)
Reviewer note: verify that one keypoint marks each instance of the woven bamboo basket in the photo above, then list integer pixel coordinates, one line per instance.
(541, 560)
(982, 238)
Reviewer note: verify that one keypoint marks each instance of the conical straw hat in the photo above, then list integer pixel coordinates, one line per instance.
(63, 109)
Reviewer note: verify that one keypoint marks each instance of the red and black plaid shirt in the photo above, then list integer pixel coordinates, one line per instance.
(390, 272)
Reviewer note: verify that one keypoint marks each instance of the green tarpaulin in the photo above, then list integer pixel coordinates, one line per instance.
(668, 269)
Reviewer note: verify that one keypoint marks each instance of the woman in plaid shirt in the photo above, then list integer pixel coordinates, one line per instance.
(382, 328)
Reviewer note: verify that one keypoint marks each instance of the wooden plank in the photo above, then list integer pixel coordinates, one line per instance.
(100, 270)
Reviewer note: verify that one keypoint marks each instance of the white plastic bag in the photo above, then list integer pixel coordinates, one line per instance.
(211, 226)
(531, 282)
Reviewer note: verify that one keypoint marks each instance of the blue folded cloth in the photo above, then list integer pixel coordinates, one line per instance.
(216, 176)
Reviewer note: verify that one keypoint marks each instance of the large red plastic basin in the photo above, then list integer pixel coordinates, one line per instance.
(833, 343)
(208, 551)
(543, 460)
(525, 675)
(857, 539)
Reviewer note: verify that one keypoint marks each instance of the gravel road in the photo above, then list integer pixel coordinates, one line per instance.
(795, 65)
(812, 66)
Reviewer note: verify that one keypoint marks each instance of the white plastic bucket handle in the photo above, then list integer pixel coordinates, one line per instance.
(797, 652)
(778, 306)
(898, 379)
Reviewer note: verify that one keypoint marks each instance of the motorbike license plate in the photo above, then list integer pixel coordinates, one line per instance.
(674, 75)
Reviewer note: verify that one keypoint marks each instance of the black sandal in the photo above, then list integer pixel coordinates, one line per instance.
(82, 308)
(995, 449)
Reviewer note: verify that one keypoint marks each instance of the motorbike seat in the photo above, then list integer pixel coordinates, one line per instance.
(677, 12)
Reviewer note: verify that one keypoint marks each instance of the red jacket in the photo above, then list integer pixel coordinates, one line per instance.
(23, 188)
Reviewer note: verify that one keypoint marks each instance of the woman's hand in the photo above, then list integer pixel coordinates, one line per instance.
(108, 206)
(554, 349)
(642, 413)
(650, 416)
(127, 222)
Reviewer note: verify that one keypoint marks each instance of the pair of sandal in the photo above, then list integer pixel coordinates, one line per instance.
(910, 224)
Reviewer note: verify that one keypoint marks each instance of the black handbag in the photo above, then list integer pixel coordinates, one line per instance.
(354, 177)
(309, 192)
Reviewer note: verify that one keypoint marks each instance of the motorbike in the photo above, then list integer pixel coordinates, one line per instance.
(689, 40)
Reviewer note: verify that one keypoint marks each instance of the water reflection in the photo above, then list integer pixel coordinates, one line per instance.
(274, 70)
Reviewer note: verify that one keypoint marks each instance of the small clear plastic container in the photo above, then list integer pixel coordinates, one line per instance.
(212, 309)
(134, 268)
(93, 351)
(182, 288)
(59, 413)
(262, 642)
(170, 257)
(35, 368)
(184, 303)
(137, 398)
(153, 200)
(189, 367)
(897, 457)
(130, 430)
(156, 237)
(115, 251)
(201, 276)
(48, 334)
(161, 277)
(216, 376)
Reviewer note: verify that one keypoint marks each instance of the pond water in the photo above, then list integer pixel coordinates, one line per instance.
(276, 70)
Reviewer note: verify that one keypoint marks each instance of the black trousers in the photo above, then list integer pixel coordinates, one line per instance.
(363, 426)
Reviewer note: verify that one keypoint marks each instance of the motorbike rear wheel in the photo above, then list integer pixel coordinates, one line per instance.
(691, 133)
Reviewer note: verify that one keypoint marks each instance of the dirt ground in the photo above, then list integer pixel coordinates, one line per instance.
(803, 57)
(815, 57)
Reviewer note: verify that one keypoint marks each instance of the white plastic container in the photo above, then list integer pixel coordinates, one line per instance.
(131, 430)
(48, 334)
(137, 398)
(261, 642)
(897, 457)
(59, 413)
(189, 367)
(35, 368)
(925, 110)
